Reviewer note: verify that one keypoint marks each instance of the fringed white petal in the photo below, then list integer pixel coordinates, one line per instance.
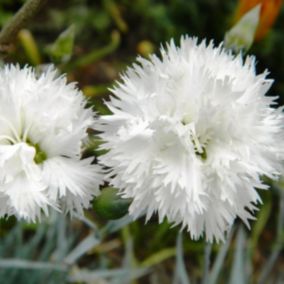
(43, 122)
(190, 135)
(73, 182)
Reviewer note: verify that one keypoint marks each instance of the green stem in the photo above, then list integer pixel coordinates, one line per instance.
(18, 21)
(95, 55)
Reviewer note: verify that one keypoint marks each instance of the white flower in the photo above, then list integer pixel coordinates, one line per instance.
(43, 121)
(190, 136)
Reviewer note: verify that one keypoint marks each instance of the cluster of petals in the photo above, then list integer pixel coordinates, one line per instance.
(191, 134)
(43, 122)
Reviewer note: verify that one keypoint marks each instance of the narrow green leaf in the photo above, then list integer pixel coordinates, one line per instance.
(97, 276)
(238, 273)
(159, 257)
(218, 264)
(129, 261)
(259, 225)
(115, 225)
(207, 254)
(181, 276)
(114, 11)
(26, 264)
(96, 54)
(278, 243)
(61, 50)
(83, 247)
(30, 46)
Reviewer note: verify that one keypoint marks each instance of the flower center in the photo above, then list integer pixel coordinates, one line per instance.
(15, 138)
(203, 154)
(199, 146)
(40, 155)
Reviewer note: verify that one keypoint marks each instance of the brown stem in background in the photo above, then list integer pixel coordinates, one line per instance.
(19, 20)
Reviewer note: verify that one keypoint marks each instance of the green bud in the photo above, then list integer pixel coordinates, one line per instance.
(109, 205)
(241, 36)
(61, 50)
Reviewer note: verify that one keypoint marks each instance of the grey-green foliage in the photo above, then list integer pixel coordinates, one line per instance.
(240, 250)
(33, 255)
(277, 246)
(181, 276)
(51, 252)
(238, 270)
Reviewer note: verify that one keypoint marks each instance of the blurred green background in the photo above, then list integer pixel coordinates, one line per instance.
(93, 41)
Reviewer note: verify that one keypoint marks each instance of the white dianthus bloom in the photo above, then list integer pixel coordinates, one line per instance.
(190, 136)
(43, 121)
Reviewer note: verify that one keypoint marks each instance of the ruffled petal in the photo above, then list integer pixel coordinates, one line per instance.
(73, 182)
